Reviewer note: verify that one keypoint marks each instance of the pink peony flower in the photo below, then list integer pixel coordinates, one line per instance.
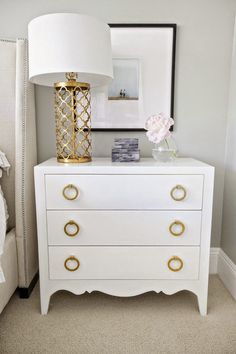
(158, 127)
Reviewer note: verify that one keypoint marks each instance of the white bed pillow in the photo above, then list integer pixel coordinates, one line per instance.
(4, 166)
(3, 229)
(4, 201)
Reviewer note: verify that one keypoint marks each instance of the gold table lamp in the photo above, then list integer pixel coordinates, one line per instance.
(77, 48)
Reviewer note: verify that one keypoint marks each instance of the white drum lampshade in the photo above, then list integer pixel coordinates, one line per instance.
(72, 45)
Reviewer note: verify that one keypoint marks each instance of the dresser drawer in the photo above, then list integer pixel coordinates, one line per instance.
(124, 192)
(123, 262)
(124, 227)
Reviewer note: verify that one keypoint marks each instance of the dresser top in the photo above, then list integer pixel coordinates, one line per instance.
(145, 165)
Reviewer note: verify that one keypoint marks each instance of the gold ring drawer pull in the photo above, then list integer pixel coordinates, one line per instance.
(175, 259)
(70, 187)
(177, 223)
(73, 259)
(178, 188)
(71, 223)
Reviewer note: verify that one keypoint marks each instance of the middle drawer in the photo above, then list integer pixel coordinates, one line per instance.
(124, 227)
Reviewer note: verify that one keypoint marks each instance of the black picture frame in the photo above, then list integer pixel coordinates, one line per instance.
(149, 25)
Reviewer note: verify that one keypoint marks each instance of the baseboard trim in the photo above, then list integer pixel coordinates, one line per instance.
(227, 272)
(222, 265)
(214, 257)
(24, 293)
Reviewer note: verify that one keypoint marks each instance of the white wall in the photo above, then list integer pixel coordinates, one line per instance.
(229, 212)
(204, 43)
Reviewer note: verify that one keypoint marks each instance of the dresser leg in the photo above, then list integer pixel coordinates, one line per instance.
(45, 299)
(202, 304)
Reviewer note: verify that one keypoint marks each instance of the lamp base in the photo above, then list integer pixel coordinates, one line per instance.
(73, 121)
(75, 160)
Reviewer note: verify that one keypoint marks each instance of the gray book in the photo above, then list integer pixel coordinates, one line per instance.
(125, 150)
(125, 157)
(126, 143)
(125, 146)
(121, 140)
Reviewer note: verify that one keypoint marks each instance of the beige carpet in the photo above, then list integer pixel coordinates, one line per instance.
(98, 323)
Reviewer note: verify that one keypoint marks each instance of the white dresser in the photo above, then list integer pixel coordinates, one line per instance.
(124, 228)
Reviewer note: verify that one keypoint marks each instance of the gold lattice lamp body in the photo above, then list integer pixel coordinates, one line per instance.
(73, 120)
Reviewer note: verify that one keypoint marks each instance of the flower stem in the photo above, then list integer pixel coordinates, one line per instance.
(167, 144)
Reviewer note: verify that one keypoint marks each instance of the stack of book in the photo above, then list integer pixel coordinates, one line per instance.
(125, 150)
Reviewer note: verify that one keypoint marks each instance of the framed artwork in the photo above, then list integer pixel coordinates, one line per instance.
(144, 72)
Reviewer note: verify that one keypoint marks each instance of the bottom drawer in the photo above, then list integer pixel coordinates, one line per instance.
(123, 262)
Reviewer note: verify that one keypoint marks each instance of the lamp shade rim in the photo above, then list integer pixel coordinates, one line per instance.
(49, 79)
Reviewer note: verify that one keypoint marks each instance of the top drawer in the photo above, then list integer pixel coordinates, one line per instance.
(124, 191)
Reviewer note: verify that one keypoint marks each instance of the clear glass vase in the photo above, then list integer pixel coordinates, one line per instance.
(165, 151)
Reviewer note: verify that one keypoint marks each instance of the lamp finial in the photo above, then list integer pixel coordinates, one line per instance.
(71, 76)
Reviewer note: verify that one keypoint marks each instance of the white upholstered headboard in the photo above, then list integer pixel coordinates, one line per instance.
(18, 141)
(7, 120)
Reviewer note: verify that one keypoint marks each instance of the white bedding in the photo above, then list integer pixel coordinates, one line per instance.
(3, 230)
(4, 164)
